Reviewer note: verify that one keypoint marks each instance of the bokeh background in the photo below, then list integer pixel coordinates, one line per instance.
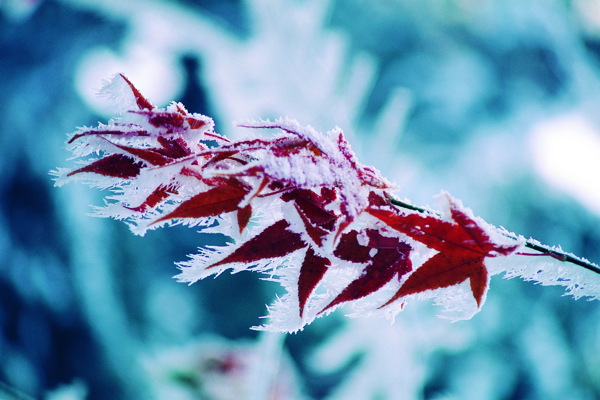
(495, 101)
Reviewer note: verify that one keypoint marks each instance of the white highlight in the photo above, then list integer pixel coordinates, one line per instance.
(157, 77)
(566, 153)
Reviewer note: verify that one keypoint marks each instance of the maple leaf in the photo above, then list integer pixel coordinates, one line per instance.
(318, 222)
(390, 260)
(101, 132)
(159, 194)
(151, 156)
(140, 100)
(215, 201)
(306, 158)
(462, 246)
(243, 216)
(312, 270)
(274, 241)
(114, 165)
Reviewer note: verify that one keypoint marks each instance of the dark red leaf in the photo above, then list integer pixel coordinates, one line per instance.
(390, 261)
(109, 132)
(195, 123)
(311, 272)
(149, 155)
(115, 165)
(159, 194)
(141, 101)
(444, 270)
(274, 241)
(376, 200)
(316, 233)
(479, 236)
(432, 231)
(166, 119)
(318, 221)
(215, 201)
(163, 119)
(173, 148)
(313, 207)
(349, 249)
(243, 216)
(327, 195)
(462, 245)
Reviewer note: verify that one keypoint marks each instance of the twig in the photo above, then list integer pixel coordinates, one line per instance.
(541, 248)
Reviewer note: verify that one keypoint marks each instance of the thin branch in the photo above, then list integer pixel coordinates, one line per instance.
(533, 245)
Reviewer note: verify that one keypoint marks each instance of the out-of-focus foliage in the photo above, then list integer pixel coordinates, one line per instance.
(436, 94)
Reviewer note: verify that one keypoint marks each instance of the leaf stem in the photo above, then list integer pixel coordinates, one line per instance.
(544, 250)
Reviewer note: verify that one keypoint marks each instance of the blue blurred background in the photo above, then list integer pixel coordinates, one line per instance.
(494, 101)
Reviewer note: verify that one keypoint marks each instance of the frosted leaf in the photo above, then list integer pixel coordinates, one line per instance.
(117, 90)
(300, 208)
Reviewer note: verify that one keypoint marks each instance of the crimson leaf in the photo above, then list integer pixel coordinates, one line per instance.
(116, 165)
(311, 272)
(149, 155)
(447, 269)
(218, 200)
(274, 241)
(462, 244)
(243, 216)
(317, 221)
(391, 260)
(140, 100)
(158, 195)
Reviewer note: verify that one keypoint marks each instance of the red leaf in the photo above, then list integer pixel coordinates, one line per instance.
(480, 282)
(141, 101)
(478, 234)
(463, 233)
(116, 165)
(311, 272)
(462, 245)
(432, 231)
(274, 241)
(159, 194)
(311, 207)
(173, 148)
(316, 233)
(195, 123)
(220, 156)
(215, 201)
(376, 200)
(243, 217)
(163, 119)
(444, 270)
(149, 155)
(390, 261)
(349, 249)
(108, 132)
